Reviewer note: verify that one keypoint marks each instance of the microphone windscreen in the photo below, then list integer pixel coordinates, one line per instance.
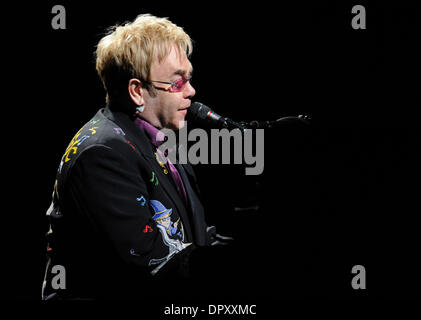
(199, 110)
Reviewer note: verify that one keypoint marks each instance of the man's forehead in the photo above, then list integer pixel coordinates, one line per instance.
(175, 63)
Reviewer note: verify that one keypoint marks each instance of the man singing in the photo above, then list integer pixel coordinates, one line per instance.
(120, 216)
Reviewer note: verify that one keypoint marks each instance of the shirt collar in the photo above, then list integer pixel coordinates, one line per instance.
(156, 136)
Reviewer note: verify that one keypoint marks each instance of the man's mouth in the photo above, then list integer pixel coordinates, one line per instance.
(184, 109)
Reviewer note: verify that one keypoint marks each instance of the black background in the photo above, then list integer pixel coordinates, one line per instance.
(343, 192)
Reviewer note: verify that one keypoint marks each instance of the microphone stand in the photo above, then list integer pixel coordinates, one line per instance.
(242, 125)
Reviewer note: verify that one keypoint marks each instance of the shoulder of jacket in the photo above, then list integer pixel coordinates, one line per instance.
(99, 131)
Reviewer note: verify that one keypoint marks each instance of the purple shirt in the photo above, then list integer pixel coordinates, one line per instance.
(153, 134)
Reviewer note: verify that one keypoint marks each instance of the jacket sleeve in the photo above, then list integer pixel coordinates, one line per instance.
(108, 187)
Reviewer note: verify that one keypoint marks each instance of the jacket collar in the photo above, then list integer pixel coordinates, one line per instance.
(138, 137)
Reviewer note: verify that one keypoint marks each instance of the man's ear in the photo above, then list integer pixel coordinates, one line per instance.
(136, 91)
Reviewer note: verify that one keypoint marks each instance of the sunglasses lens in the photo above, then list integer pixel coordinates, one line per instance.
(179, 85)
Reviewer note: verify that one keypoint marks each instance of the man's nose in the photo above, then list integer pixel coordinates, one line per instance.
(189, 91)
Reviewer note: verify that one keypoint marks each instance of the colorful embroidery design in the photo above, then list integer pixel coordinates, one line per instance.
(147, 229)
(82, 139)
(128, 142)
(142, 200)
(95, 121)
(164, 168)
(119, 131)
(93, 130)
(154, 179)
(172, 233)
(71, 147)
(134, 253)
(162, 217)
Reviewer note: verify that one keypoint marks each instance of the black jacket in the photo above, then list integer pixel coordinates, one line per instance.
(105, 229)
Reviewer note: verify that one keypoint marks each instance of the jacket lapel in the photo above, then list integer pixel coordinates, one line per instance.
(144, 147)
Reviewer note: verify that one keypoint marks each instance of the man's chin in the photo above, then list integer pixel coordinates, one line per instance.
(178, 125)
(181, 124)
(175, 126)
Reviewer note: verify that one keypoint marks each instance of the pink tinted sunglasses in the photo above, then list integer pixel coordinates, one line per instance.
(176, 86)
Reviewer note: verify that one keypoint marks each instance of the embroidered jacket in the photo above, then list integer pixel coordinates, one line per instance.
(116, 215)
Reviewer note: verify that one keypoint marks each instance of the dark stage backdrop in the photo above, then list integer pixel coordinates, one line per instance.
(339, 193)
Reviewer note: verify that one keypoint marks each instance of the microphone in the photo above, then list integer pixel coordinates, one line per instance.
(200, 112)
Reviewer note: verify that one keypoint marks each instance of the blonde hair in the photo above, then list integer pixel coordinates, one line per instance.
(128, 51)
